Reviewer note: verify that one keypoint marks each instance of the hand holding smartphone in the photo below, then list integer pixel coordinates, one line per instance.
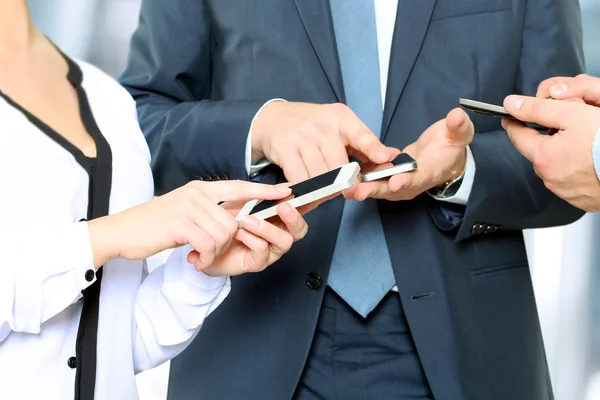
(494, 111)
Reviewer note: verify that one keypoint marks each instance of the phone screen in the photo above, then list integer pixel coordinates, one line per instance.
(403, 158)
(302, 188)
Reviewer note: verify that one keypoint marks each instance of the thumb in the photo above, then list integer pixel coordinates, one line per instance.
(582, 87)
(459, 126)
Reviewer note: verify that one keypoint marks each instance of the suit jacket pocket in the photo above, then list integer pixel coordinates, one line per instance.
(499, 251)
(445, 9)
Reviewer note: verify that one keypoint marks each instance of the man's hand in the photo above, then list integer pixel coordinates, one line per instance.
(441, 156)
(564, 161)
(308, 139)
(583, 88)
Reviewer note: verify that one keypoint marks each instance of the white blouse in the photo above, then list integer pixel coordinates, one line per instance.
(46, 261)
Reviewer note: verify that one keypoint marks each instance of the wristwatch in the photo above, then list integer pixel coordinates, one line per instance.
(449, 188)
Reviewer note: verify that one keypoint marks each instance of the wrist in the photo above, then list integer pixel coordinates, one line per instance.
(104, 241)
(261, 123)
(454, 174)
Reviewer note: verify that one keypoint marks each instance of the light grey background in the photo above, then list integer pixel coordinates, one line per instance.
(564, 261)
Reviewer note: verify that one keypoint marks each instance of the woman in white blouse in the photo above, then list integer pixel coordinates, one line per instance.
(79, 315)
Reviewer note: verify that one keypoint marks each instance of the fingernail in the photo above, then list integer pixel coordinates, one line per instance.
(284, 208)
(559, 89)
(382, 156)
(283, 189)
(514, 102)
(250, 222)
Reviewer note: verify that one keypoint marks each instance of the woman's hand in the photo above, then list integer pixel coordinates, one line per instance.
(188, 215)
(258, 245)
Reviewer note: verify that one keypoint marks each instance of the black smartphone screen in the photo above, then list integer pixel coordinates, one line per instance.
(302, 188)
(403, 158)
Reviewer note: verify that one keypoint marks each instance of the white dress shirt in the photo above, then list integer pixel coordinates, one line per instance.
(45, 253)
(385, 14)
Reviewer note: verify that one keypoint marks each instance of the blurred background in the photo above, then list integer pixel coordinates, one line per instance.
(563, 260)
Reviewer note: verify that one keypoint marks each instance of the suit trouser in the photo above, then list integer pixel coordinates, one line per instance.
(353, 358)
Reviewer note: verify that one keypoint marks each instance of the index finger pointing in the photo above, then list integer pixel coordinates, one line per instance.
(242, 190)
(358, 136)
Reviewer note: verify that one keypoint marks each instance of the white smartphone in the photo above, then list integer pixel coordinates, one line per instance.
(307, 191)
(402, 163)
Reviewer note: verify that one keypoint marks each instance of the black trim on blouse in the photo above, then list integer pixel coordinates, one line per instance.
(99, 170)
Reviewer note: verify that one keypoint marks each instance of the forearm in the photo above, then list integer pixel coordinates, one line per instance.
(171, 306)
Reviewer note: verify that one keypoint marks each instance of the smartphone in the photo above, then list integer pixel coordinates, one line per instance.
(496, 111)
(402, 163)
(306, 192)
(485, 108)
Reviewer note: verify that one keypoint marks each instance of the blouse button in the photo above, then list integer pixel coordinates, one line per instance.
(89, 275)
(83, 220)
(72, 362)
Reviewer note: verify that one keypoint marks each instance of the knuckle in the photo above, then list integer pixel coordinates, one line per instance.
(535, 108)
(263, 247)
(287, 241)
(207, 247)
(338, 109)
(303, 231)
(193, 193)
(186, 207)
(231, 226)
(222, 237)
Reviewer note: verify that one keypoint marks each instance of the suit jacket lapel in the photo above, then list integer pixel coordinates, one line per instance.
(316, 17)
(412, 22)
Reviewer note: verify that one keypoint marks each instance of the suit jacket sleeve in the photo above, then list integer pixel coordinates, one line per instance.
(169, 75)
(506, 192)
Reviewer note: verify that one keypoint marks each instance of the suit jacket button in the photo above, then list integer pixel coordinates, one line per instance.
(199, 178)
(223, 177)
(313, 281)
(215, 178)
(490, 229)
(477, 228)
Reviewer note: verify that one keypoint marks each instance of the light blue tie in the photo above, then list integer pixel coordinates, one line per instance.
(361, 271)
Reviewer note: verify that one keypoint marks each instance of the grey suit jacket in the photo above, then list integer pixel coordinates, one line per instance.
(200, 70)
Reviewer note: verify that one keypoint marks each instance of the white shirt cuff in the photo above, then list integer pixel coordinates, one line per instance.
(464, 191)
(253, 170)
(596, 153)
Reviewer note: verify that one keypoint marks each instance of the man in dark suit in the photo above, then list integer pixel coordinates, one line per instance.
(420, 289)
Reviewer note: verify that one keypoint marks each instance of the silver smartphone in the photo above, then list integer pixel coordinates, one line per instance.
(402, 163)
(305, 192)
